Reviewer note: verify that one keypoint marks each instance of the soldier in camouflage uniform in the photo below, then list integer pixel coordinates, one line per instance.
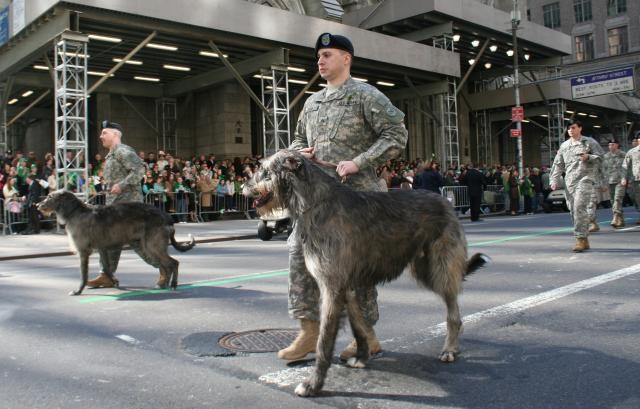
(580, 157)
(631, 173)
(612, 165)
(349, 128)
(123, 172)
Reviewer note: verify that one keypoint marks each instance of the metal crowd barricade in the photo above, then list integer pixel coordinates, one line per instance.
(458, 196)
(157, 199)
(99, 199)
(2, 222)
(493, 198)
(15, 213)
(237, 203)
(182, 206)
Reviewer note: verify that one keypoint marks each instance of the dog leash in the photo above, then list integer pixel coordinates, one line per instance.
(328, 165)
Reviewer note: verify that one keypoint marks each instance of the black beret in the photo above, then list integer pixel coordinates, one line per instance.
(111, 125)
(614, 140)
(328, 40)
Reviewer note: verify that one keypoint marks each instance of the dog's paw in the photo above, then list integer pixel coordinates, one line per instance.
(304, 390)
(356, 363)
(447, 356)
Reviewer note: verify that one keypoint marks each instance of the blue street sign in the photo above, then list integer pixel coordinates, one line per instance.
(4, 25)
(601, 83)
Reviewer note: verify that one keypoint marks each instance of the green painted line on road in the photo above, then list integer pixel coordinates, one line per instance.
(213, 283)
(280, 273)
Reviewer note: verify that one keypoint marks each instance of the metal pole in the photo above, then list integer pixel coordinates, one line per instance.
(515, 21)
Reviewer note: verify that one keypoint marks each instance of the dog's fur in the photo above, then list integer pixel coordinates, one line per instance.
(146, 229)
(352, 239)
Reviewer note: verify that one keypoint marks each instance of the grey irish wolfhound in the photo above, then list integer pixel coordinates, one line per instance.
(146, 229)
(353, 239)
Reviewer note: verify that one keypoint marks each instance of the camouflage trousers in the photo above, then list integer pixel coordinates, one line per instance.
(579, 198)
(635, 194)
(616, 195)
(304, 295)
(109, 258)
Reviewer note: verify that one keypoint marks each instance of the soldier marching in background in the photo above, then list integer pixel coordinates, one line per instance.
(631, 172)
(613, 174)
(580, 158)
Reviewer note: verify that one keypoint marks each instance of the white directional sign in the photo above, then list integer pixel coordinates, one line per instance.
(601, 83)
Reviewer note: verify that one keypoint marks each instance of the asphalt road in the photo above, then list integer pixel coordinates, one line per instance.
(544, 328)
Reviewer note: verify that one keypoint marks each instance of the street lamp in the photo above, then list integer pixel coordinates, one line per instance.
(515, 21)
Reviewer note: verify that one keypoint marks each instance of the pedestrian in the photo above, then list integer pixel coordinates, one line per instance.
(475, 182)
(32, 198)
(123, 174)
(351, 128)
(631, 172)
(536, 181)
(613, 173)
(526, 190)
(430, 178)
(580, 158)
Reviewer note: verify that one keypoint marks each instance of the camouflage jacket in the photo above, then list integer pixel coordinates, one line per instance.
(125, 168)
(612, 166)
(631, 164)
(568, 161)
(356, 122)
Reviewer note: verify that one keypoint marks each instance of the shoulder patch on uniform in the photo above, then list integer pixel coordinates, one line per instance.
(391, 110)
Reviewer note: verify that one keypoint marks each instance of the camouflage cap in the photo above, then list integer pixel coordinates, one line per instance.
(328, 40)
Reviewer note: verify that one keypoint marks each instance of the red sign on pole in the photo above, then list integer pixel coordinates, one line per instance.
(517, 114)
(516, 133)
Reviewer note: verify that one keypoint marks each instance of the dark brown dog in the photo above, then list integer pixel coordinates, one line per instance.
(146, 229)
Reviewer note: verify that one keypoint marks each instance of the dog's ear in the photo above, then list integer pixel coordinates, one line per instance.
(293, 162)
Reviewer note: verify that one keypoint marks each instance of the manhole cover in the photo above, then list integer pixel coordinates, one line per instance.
(261, 340)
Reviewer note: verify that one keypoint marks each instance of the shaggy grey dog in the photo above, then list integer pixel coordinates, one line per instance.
(146, 229)
(356, 239)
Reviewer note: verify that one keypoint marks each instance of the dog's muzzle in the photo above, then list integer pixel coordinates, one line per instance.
(262, 199)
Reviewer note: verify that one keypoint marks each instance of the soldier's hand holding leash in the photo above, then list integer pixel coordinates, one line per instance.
(115, 189)
(346, 168)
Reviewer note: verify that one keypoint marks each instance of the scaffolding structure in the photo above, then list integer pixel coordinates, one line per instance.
(275, 97)
(70, 68)
(484, 151)
(450, 142)
(5, 89)
(166, 124)
(555, 123)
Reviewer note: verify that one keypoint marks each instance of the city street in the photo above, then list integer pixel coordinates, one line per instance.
(544, 328)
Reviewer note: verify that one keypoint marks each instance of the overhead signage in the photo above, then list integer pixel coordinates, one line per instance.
(602, 83)
(516, 133)
(517, 113)
(4, 25)
(18, 15)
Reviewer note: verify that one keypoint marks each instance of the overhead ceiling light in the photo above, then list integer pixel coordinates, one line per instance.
(162, 47)
(211, 54)
(13, 101)
(593, 116)
(544, 115)
(597, 126)
(569, 112)
(487, 65)
(323, 85)
(302, 82)
(582, 114)
(27, 93)
(456, 37)
(176, 67)
(472, 61)
(475, 43)
(277, 88)
(386, 84)
(526, 57)
(629, 122)
(309, 92)
(493, 48)
(150, 79)
(107, 39)
(525, 120)
(296, 69)
(567, 119)
(41, 67)
(360, 79)
(98, 73)
(266, 77)
(510, 53)
(132, 62)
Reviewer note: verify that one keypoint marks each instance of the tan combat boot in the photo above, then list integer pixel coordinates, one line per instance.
(102, 281)
(593, 227)
(582, 244)
(619, 221)
(305, 342)
(351, 349)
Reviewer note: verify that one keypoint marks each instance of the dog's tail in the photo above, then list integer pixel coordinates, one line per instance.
(184, 246)
(476, 261)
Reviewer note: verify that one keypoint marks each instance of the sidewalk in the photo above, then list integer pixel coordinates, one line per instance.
(50, 243)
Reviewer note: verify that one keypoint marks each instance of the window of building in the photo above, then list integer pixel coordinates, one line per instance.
(551, 15)
(617, 40)
(615, 7)
(584, 47)
(582, 10)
